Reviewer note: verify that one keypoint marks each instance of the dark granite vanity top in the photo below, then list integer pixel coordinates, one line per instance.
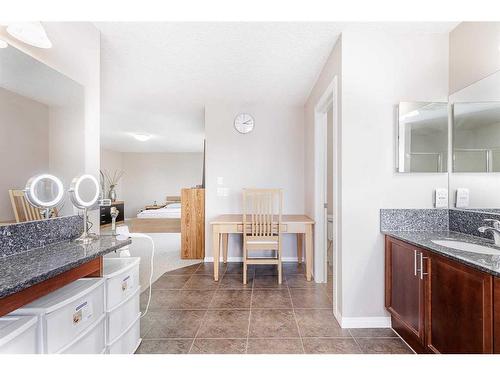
(22, 270)
(483, 262)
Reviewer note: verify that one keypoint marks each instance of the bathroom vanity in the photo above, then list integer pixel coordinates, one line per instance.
(32, 274)
(442, 300)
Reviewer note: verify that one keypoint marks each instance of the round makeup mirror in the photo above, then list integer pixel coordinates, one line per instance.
(84, 191)
(44, 191)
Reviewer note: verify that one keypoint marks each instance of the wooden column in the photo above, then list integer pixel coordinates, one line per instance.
(193, 223)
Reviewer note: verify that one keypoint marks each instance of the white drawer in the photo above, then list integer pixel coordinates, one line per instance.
(18, 335)
(129, 341)
(91, 341)
(122, 316)
(67, 312)
(122, 279)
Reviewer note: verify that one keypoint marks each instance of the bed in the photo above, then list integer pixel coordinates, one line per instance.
(166, 219)
(170, 211)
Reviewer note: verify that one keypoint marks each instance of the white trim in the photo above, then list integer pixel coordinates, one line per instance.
(366, 322)
(329, 99)
(240, 259)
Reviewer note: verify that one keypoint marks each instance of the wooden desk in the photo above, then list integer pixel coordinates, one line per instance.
(301, 225)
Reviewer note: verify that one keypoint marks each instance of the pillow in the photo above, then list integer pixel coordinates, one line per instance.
(173, 205)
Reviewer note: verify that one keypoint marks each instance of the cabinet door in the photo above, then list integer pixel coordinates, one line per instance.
(458, 308)
(404, 295)
(496, 315)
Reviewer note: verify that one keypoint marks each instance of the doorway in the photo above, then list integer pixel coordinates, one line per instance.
(327, 194)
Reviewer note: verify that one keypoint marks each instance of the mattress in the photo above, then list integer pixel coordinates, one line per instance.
(161, 213)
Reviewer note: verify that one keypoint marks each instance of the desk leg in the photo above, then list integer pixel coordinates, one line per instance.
(299, 247)
(309, 252)
(224, 246)
(216, 252)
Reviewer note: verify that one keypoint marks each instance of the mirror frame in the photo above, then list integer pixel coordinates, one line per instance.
(32, 197)
(74, 193)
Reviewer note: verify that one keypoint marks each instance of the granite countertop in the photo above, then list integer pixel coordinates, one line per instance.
(482, 262)
(20, 271)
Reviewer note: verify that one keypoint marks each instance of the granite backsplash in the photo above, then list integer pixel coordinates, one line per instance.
(462, 221)
(21, 237)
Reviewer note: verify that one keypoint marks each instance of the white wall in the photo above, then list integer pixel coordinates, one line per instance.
(271, 156)
(331, 70)
(24, 145)
(473, 53)
(151, 177)
(75, 53)
(378, 71)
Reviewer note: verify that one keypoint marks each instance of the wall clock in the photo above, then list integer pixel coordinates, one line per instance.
(244, 123)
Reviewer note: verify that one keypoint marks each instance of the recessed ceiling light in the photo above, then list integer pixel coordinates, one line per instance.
(141, 136)
(3, 44)
(31, 33)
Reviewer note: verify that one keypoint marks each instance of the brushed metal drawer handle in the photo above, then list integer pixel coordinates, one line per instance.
(422, 273)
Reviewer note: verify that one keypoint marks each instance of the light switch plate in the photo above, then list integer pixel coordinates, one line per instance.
(441, 198)
(220, 180)
(462, 198)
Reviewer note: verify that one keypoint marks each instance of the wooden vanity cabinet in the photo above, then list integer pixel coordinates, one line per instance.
(439, 305)
(404, 291)
(459, 307)
(496, 315)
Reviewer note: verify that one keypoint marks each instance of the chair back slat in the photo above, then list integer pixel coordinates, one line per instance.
(23, 210)
(262, 212)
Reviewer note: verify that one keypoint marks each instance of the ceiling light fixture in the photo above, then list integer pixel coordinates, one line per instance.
(3, 44)
(31, 33)
(141, 136)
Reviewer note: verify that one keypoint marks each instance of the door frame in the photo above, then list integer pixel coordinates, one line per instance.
(328, 100)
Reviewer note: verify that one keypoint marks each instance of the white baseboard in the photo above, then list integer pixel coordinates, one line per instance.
(240, 259)
(365, 322)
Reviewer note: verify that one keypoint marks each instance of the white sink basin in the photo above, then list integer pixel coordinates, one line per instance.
(465, 246)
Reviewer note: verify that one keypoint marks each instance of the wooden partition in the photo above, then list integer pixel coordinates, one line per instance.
(192, 223)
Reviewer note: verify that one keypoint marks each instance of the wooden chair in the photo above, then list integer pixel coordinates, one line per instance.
(23, 210)
(262, 210)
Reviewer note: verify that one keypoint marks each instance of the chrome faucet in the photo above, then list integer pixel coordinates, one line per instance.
(495, 229)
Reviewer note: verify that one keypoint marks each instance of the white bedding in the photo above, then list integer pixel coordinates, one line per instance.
(172, 211)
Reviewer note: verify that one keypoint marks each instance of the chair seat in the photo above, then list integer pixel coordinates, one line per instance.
(262, 242)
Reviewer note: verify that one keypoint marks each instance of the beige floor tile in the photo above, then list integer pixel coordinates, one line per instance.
(273, 323)
(224, 324)
(219, 346)
(181, 299)
(372, 332)
(383, 346)
(268, 281)
(169, 346)
(310, 298)
(174, 324)
(331, 346)
(271, 299)
(231, 299)
(274, 346)
(171, 282)
(201, 282)
(319, 323)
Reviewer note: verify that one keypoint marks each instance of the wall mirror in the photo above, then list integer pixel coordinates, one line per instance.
(476, 137)
(476, 145)
(422, 137)
(41, 132)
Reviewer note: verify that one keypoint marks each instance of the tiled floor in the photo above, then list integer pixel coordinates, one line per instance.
(190, 313)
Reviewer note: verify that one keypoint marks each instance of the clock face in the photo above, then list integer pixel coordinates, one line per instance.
(244, 123)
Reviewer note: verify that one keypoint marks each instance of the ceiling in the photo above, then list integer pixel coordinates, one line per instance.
(157, 77)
